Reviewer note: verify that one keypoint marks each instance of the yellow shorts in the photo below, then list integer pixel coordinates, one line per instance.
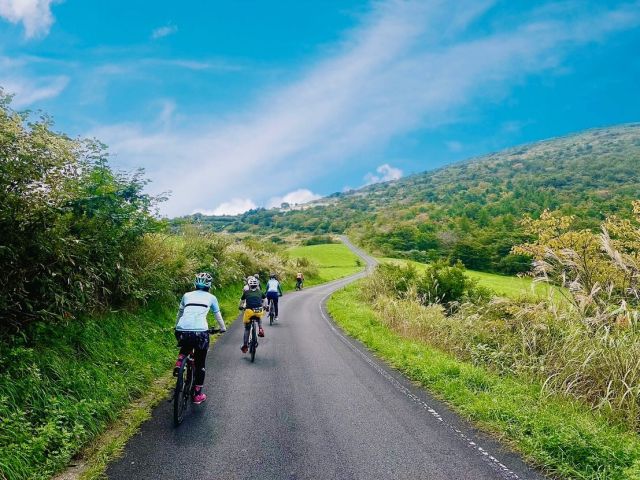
(248, 313)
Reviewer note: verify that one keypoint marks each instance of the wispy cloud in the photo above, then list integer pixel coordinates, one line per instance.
(385, 173)
(410, 65)
(35, 15)
(165, 31)
(233, 207)
(27, 91)
(189, 64)
(297, 197)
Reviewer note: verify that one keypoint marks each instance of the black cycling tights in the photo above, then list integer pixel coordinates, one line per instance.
(199, 342)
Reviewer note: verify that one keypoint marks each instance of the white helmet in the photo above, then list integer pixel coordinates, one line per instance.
(253, 282)
(203, 280)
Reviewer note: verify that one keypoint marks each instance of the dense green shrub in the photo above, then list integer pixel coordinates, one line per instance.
(318, 240)
(67, 222)
(443, 283)
(440, 283)
(395, 279)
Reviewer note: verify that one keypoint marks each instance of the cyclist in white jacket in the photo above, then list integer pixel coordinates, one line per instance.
(274, 291)
(192, 329)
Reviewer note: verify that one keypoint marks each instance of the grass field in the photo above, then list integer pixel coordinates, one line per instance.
(508, 286)
(334, 260)
(565, 436)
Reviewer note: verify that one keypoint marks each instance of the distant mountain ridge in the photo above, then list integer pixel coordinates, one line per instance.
(470, 210)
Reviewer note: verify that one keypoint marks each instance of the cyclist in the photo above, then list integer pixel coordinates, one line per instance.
(274, 291)
(252, 301)
(299, 280)
(246, 285)
(192, 330)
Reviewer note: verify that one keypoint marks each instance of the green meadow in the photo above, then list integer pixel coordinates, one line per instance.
(334, 260)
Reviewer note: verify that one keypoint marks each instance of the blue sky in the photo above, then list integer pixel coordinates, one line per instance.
(231, 105)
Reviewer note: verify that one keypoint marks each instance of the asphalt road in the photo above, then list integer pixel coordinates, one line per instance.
(314, 405)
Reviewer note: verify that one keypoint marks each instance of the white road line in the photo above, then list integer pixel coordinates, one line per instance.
(498, 466)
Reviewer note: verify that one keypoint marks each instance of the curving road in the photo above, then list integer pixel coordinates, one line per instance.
(314, 405)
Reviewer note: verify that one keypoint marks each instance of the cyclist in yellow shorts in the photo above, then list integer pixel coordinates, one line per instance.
(253, 301)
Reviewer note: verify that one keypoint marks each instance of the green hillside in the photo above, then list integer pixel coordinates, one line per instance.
(471, 210)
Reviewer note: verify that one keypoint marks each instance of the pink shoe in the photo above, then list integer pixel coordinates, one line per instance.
(244, 348)
(198, 396)
(260, 332)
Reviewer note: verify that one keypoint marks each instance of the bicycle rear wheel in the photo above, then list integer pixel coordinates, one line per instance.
(182, 392)
(253, 342)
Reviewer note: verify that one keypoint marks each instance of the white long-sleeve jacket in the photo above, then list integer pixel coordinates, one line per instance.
(194, 307)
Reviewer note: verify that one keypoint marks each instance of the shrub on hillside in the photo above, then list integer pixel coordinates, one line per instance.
(67, 222)
(440, 283)
(318, 240)
(600, 271)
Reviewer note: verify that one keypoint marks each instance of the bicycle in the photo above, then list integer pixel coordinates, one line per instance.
(184, 385)
(272, 312)
(253, 331)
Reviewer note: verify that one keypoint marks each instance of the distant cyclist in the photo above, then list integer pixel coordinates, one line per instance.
(299, 281)
(192, 330)
(274, 291)
(253, 303)
(256, 276)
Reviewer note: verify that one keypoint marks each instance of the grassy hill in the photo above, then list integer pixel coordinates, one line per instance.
(471, 210)
(333, 260)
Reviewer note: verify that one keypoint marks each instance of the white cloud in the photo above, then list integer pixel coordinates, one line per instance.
(233, 207)
(410, 65)
(28, 91)
(385, 172)
(296, 197)
(35, 15)
(165, 31)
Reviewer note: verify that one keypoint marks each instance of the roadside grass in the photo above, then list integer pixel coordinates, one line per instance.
(508, 286)
(333, 260)
(562, 435)
(67, 384)
(64, 386)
